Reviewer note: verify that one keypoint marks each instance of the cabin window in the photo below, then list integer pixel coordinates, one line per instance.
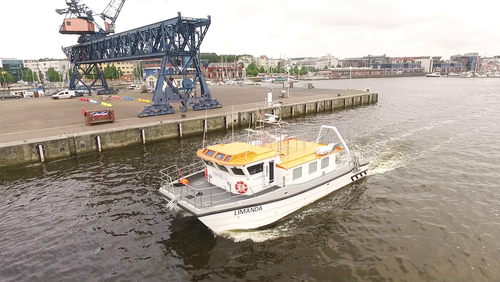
(209, 163)
(68, 23)
(297, 173)
(237, 171)
(325, 162)
(228, 158)
(210, 153)
(221, 167)
(256, 168)
(219, 156)
(313, 167)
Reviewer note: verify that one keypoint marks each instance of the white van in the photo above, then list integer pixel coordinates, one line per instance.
(21, 93)
(70, 94)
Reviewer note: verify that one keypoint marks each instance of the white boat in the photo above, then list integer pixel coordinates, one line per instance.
(453, 74)
(434, 74)
(465, 74)
(248, 185)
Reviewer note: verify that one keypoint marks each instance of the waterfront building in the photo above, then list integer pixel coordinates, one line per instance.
(375, 62)
(471, 61)
(355, 62)
(490, 64)
(348, 72)
(447, 67)
(264, 61)
(126, 67)
(152, 66)
(327, 61)
(13, 66)
(399, 68)
(426, 62)
(224, 71)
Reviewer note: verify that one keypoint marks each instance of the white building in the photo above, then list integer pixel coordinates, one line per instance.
(59, 66)
(264, 61)
(327, 61)
(426, 62)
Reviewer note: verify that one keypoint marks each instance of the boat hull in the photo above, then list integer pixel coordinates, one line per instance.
(263, 214)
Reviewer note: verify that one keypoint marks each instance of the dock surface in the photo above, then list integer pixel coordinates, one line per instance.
(25, 120)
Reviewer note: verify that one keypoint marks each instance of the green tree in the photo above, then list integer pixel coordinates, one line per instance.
(93, 74)
(325, 67)
(7, 76)
(29, 75)
(252, 70)
(262, 69)
(279, 68)
(303, 71)
(53, 75)
(295, 70)
(70, 74)
(109, 71)
(138, 71)
(211, 57)
(338, 65)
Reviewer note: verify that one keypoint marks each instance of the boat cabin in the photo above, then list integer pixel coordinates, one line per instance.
(242, 168)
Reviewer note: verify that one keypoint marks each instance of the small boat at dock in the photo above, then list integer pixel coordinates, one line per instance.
(434, 74)
(252, 184)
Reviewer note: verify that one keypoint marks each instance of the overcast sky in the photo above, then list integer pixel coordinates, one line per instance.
(290, 28)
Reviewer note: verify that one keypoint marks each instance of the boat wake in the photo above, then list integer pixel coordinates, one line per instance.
(258, 235)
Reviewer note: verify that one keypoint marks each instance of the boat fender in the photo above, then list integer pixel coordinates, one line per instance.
(84, 112)
(206, 172)
(241, 187)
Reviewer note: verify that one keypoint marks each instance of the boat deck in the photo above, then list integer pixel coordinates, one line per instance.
(200, 194)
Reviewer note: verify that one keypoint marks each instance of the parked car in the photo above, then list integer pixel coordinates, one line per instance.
(4, 96)
(70, 94)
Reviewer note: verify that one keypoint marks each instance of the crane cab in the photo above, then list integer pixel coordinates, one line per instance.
(77, 26)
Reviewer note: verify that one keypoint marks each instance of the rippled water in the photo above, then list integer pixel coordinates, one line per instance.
(428, 211)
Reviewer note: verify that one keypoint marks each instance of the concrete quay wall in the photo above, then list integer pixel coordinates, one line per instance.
(70, 145)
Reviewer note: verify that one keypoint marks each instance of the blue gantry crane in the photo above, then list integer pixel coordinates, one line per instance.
(177, 41)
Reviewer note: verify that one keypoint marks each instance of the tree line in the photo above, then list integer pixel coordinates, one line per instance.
(253, 70)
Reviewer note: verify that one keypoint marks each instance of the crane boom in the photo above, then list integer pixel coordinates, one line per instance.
(111, 13)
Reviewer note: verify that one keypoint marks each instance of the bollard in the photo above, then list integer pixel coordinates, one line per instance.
(143, 136)
(98, 141)
(41, 153)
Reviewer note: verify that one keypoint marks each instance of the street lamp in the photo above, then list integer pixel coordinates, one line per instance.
(350, 78)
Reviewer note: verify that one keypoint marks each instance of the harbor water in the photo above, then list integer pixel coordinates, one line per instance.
(428, 210)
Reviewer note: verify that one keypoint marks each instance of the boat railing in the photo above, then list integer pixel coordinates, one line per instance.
(172, 173)
(207, 197)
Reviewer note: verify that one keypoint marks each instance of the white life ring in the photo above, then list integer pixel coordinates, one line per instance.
(241, 187)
